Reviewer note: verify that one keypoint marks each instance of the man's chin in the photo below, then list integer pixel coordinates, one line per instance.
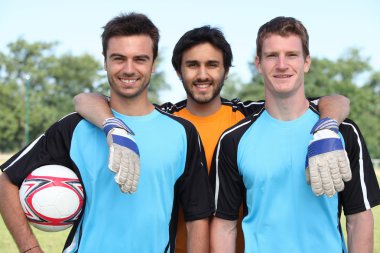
(202, 99)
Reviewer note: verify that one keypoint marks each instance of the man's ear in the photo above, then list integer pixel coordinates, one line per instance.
(258, 64)
(307, 64)
(104, 62)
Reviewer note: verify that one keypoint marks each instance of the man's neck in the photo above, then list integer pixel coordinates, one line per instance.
(131, 106)
(286, 108)
(203, 110)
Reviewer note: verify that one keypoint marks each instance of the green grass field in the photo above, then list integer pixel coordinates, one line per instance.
(53, 242)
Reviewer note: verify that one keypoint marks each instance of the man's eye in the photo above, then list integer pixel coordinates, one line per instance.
(117, 59)
(141, 60)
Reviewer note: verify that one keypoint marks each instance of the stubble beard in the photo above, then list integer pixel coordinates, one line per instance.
(201, 99)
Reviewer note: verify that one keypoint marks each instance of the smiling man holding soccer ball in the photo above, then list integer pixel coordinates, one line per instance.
(170, 156)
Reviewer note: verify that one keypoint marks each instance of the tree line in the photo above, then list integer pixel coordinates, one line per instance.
(37, 86)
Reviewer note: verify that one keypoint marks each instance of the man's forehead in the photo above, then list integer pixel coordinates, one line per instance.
(203, 52)
(134, 44)
(275, 41)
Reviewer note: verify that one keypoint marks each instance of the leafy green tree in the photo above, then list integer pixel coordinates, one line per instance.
(374, 83)
(51, 81)
(253, 90)
(232, 86)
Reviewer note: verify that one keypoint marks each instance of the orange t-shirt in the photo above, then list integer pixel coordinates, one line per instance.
(210, 128)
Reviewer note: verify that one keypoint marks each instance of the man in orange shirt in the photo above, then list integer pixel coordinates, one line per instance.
(202, 58)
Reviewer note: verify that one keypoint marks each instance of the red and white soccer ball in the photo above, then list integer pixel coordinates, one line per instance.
(52, 197)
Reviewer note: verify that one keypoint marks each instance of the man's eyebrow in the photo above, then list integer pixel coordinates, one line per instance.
(191, 61)
(212, 61)
(116, 55)
(142, 56)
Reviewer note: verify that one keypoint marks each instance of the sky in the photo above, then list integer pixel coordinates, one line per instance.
(334, 26)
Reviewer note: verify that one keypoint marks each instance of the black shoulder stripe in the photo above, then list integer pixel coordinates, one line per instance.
(234, 133)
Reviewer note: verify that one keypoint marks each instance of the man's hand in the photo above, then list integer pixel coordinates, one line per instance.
(327, 164)
(124, 158)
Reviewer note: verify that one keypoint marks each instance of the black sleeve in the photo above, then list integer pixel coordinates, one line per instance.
(172, 108)
(52, 147)
(252, 107)
(314, 103)
(193, 187)
(362, 191)
(248, 107)
(226, 181)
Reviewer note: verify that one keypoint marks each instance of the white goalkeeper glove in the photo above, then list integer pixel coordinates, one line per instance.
(327, 164)
(124, 157)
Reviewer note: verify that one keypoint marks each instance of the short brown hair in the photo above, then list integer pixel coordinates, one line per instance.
(283, 26)
(130, 24)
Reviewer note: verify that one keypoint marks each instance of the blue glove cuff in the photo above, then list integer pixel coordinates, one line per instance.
(325, 123)
(111, 123)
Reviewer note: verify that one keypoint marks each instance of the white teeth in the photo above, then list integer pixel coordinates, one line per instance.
(128, 81)
(202, 86)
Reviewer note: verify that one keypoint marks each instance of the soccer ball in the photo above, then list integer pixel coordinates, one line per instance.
(52, 198)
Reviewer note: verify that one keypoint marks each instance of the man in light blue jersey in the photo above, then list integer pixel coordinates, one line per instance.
(260, 162)
(170, 159)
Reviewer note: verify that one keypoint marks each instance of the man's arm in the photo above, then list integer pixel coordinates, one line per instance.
(327, 164)
(222, 235)
(335, 107)
(124, 156)
(93, 107)
(360, 232)
(198, 237)
(14, 217)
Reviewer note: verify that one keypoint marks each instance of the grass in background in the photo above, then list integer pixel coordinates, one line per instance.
(52, 242)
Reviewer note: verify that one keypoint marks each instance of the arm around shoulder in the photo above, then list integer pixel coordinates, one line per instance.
(334, 106)
(93, 107)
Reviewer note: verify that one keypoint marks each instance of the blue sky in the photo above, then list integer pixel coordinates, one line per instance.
(333, 26)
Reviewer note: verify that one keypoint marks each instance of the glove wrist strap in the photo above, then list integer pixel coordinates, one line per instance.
(325, 123)
(113, 122)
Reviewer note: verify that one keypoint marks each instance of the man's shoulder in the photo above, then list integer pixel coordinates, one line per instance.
(180, 120)
(349, 127)
(236, 131)
(247, 107)
(70, 120)
(172, 108)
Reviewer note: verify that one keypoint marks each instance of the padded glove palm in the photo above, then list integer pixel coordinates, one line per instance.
(124, 156)
(327, 164)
